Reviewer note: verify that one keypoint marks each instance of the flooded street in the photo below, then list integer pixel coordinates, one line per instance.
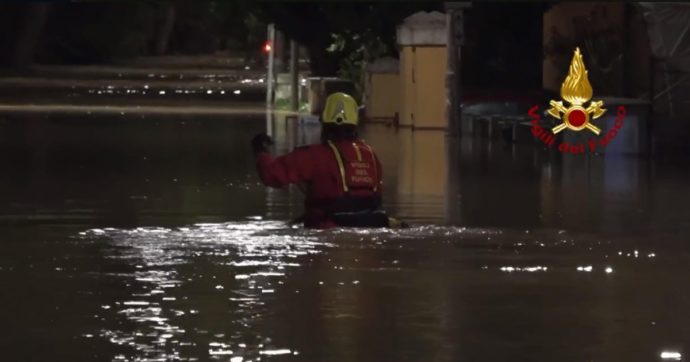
(142, 237)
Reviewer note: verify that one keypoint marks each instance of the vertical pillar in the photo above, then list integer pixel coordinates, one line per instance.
(279, 52)
(627, 35)
(422, 38)
(165, 29)
(456, 35)
(270, 81)
(269, 73)
(294, 76)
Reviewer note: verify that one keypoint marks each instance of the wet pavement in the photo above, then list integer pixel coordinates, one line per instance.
(148, 238)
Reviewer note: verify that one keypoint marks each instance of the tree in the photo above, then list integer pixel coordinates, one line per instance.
(165, 28)
(28, 39)
(354, 27)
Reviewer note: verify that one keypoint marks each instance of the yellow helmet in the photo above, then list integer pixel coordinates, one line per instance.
(340, 109)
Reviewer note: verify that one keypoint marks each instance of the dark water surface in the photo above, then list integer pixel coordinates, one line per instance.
(142, 238)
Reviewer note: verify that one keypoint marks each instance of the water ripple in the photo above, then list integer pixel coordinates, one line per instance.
(246, 262)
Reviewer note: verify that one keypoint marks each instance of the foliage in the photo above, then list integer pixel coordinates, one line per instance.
(103, 33)
(601, 47)
(285, 104)
(356, 50)
(341, 36)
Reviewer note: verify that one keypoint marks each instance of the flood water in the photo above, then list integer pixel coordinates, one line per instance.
(149, 238)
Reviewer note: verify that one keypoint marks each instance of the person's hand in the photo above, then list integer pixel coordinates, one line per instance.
(260, 143)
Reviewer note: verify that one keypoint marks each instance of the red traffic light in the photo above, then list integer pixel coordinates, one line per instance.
(267, 46)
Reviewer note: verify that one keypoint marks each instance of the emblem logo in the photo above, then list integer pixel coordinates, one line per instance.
(576, 90)
(576, 116)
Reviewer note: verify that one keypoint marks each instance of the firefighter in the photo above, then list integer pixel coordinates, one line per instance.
(341, 175)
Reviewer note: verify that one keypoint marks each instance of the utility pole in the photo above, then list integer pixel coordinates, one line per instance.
(456, 37)
(279, 53)
(269, 73)
(269, 80)
(294, 75)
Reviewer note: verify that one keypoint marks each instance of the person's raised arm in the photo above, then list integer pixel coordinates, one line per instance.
(294, 167)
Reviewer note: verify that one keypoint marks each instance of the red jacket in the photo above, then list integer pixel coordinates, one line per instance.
(318, 167)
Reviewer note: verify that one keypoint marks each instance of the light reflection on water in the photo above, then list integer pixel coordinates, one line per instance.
(207, 291)
(250, 260)
(249, 263)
